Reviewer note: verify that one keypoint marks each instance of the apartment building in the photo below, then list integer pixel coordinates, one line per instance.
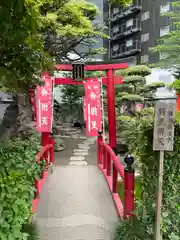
(134, 29)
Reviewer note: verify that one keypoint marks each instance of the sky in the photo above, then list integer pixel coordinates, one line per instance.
(161, 75)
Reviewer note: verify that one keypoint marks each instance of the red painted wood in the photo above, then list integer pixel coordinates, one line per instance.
(45, 142)
(36, 185)
(115, 196)
(40, 183)
(51, 141)
(178, 102)
(129, 193)
(104, 158)
(69, 81)
(35, 204)
(98, 67)
(115, 160)
(111, 109)
(99, 150)
(108, 164)
(115, 180)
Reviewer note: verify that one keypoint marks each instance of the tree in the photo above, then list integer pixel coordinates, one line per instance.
(169, 46)
(132, 92)
(29, 31)
(25, 25)
(135, 90)
(21, 56)
(78, 29)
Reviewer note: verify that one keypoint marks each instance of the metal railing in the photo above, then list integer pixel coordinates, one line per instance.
(125, 50)
(110, 165)
(124, 11)
(125, 30)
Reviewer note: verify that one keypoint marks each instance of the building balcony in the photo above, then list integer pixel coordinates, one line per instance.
(130, 27)
(125, 50)
(121, 12)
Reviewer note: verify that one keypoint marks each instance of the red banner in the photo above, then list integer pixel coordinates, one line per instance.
(139, 106)
(44, 105)
(93, 108)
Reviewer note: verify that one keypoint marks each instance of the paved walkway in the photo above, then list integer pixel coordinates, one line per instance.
(76, 203)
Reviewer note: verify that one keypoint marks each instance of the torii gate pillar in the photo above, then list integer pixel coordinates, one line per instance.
(111, 109)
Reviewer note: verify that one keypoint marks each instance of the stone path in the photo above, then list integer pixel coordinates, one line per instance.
(79, 158)
(76, 203)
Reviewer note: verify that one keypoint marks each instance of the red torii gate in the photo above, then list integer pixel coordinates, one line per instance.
(110, 80)
(107, 159)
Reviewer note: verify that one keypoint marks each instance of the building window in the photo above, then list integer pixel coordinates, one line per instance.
(115, 10)
(144, 59)
(145, 37)
(164, 31)
(115, 47)
(129, 43)
(115, 29)
(145, 16)
(129, 23)
(165, 8)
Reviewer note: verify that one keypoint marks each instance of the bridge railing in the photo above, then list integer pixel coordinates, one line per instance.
(46, 153)
(111, 166)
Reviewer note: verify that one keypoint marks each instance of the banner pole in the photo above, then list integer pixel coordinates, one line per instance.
(102, 107)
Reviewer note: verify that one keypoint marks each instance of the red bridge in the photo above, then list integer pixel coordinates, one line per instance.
(80, 199)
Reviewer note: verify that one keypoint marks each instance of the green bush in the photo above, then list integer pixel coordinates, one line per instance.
(148, 162)
(17, 173)
(32, 230)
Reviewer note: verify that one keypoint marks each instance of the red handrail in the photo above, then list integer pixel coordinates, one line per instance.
(115, 159)
(110, 165)
(41, 153)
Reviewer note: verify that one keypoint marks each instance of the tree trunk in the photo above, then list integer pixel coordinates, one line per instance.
(25, 118)
(17, 119)
(9, 123)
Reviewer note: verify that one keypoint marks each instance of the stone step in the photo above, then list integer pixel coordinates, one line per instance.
(85, 153)
(66, 129)
(80, 150)
(72, 137)
(77, 158)
(78, 163)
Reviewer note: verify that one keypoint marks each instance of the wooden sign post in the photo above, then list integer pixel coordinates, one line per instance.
(163, 140)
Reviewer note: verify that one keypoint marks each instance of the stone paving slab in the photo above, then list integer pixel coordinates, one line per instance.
(76, 205)
(62, 158)
(91, 159)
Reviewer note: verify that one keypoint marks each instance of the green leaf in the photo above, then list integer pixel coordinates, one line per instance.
(174, 237)
(2, 236)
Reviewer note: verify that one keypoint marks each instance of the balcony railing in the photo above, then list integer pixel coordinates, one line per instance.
(125, 30)
(125, 50)
(124, 11)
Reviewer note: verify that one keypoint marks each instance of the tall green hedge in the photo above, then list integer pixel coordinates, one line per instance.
(140, 144)
(17, 174)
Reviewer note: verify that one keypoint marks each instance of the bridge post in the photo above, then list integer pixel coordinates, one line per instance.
(178, 102)
(129, 179)
(51, 141)
(99, 150)
(44, 142)
(111, 110)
